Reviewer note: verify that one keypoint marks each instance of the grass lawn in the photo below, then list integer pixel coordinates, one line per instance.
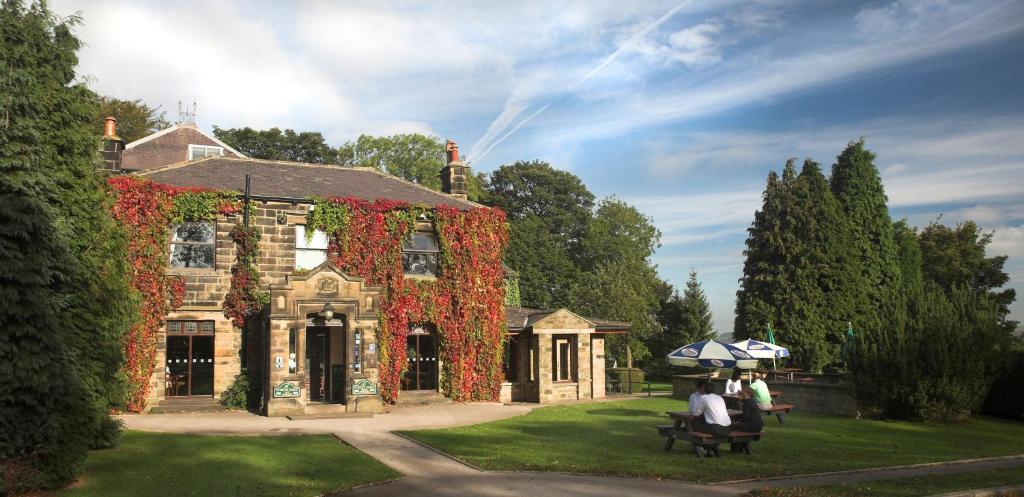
(919, 486)
(619, 438)
(656, 387)
(198, 465)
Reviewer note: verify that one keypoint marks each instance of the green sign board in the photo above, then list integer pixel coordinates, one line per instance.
(363, 386)
(286, 389)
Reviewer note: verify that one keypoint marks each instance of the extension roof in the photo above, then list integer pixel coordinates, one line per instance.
(522, 318)
(298, 180)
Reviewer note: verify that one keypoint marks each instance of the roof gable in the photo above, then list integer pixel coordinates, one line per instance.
(562, 319)
(170, 146)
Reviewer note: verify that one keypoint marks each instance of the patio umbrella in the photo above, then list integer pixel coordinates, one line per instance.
(762, 350)
(711, 354)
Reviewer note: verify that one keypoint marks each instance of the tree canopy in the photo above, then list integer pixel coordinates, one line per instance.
(275, 144)
(135, 119)
(415, 157)
(570, 253)
(65, 303)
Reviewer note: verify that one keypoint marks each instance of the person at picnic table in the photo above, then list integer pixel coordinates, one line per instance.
(762, 396)
(711, 416)
(695, 398)
(750, 421)
(733, 385)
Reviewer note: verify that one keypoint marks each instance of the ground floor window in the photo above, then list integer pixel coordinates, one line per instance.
(421, 359)
(189, 367)
(563, 359)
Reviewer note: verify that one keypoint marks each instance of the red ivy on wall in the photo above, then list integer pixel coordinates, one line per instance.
(465, 302)
(147, 210)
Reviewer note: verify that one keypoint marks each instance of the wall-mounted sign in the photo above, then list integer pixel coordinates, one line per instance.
(362, 386)
(286, 389)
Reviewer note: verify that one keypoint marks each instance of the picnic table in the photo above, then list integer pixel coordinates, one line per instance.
(681, 417)
(697, 439)
(734, 401)
(787, 374)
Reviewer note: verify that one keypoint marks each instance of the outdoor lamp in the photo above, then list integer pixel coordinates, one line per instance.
(328, 312)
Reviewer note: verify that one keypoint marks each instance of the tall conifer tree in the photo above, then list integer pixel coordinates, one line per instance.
(64, 297)
(857, 186)
(695, 312)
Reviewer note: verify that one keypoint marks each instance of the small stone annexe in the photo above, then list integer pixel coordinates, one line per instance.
(315, 347)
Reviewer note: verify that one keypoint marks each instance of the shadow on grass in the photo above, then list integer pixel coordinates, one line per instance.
(204, 465)
(622, 412)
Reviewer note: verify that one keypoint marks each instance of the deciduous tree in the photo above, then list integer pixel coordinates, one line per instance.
(135, 119)
(275, 144)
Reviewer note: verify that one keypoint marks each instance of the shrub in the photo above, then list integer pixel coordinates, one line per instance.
(937, 358)
(236, 396)
(625, 375)
(1006, 399)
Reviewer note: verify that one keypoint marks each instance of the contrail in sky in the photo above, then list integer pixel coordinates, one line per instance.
(496, 128)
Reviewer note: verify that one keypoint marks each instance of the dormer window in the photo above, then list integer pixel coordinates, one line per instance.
(192, 245)
(419, 254)
(200, 151)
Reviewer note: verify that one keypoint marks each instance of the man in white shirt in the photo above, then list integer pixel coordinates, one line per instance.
(695, 408)
(716, 416)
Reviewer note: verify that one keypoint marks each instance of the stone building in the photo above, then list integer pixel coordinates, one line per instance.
(315, 348)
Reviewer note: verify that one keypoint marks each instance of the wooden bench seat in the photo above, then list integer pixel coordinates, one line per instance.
(698, 439)
(711, 442)
(778, 410)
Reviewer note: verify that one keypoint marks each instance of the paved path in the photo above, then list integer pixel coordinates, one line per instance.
(431, 474)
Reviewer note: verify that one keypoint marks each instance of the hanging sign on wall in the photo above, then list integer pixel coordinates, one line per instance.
(286, 389)
(362, 386)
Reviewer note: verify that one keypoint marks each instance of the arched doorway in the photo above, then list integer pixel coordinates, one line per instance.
(421, 359)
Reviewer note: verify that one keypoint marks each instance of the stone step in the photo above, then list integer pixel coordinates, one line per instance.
(187, 405)
(421, 398)
(315, 408)
(337, 415)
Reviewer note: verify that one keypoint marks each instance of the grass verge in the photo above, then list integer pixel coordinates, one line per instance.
(618, 438)
(918, 486)
(198, 465)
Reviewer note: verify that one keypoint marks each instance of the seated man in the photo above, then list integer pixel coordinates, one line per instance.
(762, 396)
(695, 397)
(716, 416)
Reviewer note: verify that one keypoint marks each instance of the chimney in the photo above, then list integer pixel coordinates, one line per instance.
(455, 174)
(112, 148)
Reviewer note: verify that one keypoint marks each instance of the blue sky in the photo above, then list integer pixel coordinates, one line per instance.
(680, 108)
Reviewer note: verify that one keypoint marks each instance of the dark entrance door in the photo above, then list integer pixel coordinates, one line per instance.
(318, 363)
(189, 370)
(421, 359)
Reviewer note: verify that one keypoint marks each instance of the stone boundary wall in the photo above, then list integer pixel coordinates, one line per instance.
(826, 398)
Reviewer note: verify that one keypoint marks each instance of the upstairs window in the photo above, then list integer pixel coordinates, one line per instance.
(200, 151)
(192, 245)
(419, 254)
(309, 254)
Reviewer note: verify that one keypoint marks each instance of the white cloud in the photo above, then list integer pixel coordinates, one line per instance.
(696, 46)
(1008, 240)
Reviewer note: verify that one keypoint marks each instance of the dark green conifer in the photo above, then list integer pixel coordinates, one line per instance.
(64, 298)
(857, 186)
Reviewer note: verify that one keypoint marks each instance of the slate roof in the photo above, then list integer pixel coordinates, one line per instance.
(299, 180)
(520, 318)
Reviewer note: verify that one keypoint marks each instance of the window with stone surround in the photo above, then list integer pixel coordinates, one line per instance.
(309, 253)
(192, 245)
(419, 254)
(563, 360)
(201, 151)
